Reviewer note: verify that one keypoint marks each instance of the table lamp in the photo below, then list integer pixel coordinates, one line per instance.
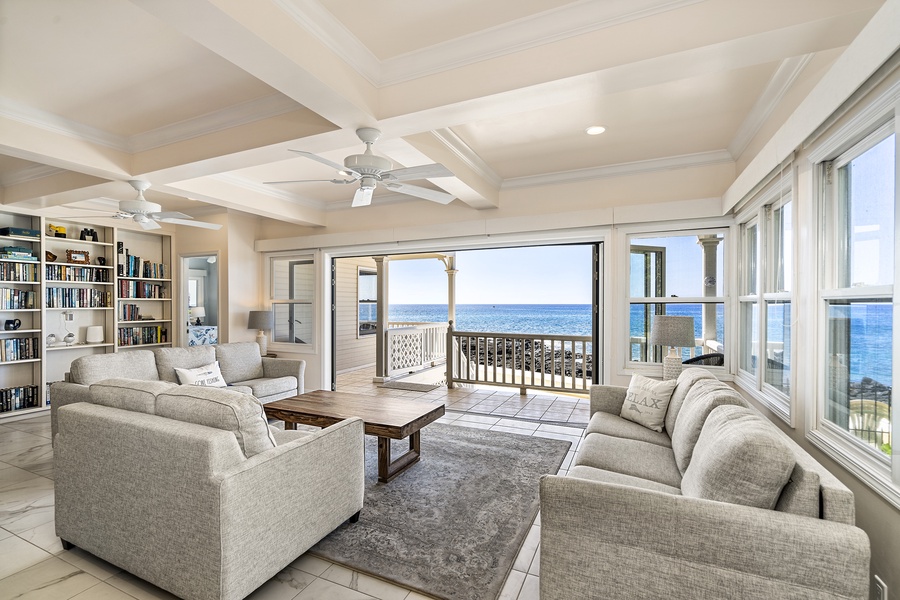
(262, 320)
(674, 332)
(199, 312)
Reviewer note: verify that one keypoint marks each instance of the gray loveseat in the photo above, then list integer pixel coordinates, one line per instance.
(189, 488)
(720, 504)
(242, 367)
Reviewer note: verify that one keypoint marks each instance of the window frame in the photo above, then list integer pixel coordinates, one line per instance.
(877, 470)
(367, 271)
(271, 301)
(776, 192)
(635, 234)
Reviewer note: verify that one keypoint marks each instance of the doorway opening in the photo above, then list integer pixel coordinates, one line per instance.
(200, 301)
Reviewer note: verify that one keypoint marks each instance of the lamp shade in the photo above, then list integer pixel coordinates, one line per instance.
(672, 331)
(198, 312)
(261, 319)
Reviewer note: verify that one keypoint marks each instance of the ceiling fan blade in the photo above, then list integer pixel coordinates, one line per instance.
(149, 224)
(312, 181)
(171, 214)
(362, 197)
(201, 224)
(420, 172)
(420, 192)
(322, 160)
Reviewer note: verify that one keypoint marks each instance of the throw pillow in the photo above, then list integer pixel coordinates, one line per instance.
(646, 401)
(209, 376)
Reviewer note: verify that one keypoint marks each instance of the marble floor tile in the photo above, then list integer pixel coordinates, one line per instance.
(138, 588)
(512, 586)
(102, 591)
(418, 596)
(28, 514)
(5, 534)
(89, 563)
(37, 427)
(44, 537)
(51, 579)
(18, 555)
(526, 425)
(321, 589)
(531, 589)
(284, 586)
(34, 455)
(312, 564)
(561, 429)
(515, 430)
(471, 424)
(364, 583)
(535, 568)
(529, 547)
(16, 478)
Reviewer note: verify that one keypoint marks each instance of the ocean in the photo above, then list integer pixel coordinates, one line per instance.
(868, 357)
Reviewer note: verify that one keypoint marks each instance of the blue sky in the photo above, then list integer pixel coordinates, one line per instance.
(535, 275)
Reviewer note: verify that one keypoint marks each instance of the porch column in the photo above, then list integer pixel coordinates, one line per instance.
(451, 287)
(709, 244)
(381, 325)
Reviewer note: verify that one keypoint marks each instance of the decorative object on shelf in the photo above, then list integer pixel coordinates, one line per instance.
(17, 253)
(20, 232)
(69, 339)
(88, 235)
(56, 230)
(199, 312)
(261, 320)
(80, 257)
(101, 260)
(51, 339)
(674, 332)
(49, 256)
(12, 324)
(94, 334)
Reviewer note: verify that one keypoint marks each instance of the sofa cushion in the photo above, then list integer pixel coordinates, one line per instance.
(583, 472)
(184, 358)
(282, 436)
(240, 361)
(646, 401)
(704, 396)
(221, 408)
(132, 364)
(629, 457)
(740, 459)
(270, 386)
(207, 375)
(129, 394)
(616, 426)
(685, 382)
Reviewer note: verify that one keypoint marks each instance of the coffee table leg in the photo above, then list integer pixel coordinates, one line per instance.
(290, 426)
(388, 469)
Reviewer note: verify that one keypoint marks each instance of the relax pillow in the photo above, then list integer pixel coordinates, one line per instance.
(646, 401)
(740, 459)
(208, 376)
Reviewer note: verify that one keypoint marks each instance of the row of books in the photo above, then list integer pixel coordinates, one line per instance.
(130, 312)
(18, 272)
(17, 253)
(23, 348)
(15, 299)
(141, 289)
(70, 273)
(17, 398)
(135, 336)
(78, 298)
(129, 265)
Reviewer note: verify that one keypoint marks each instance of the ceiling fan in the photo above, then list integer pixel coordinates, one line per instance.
(149, 215)
(369, 169)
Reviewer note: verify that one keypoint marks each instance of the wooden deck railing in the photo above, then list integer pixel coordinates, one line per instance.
(537, 361)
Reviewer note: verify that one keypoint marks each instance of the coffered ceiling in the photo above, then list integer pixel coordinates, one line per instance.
(205, 98)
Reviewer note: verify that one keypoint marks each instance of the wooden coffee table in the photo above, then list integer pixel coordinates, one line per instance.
(386, 418)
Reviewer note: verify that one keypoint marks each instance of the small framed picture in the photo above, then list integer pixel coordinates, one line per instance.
(80, 257)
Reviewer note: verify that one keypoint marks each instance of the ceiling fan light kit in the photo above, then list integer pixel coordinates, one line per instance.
(369, 169)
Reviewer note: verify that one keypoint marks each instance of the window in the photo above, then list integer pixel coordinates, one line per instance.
(766, 263)
(367, 291)
(680, 275)
(292, 294)
(860, 199)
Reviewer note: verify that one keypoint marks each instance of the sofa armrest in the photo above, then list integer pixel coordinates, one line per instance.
(611, 541)
(285, 367)
(607, 398)
(63, 393)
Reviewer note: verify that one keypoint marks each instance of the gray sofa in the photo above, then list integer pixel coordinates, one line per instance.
(720, 504)
(242, 367)
(189, 488)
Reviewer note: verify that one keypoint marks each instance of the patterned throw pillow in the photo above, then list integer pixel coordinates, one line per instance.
(646, 401)
(209, 376)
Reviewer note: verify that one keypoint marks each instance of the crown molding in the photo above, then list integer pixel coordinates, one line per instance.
(268, 190)
(466, 154)
(684, 161)
(779, 84)
(28, 174)
(35, 117)
(226, 118)
(528, 32)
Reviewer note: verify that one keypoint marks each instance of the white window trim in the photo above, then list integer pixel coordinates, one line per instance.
(627, 366)
(359, 271)
(880, 473)
(269, 301)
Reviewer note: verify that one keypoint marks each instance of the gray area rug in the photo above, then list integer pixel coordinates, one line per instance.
(452, 524)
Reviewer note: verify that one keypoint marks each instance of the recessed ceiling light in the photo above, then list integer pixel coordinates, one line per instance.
(595, 130)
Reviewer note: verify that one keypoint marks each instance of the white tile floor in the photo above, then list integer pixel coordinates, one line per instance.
(33, 564)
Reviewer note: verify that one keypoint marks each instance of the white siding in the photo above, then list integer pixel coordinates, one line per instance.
(352, 351)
